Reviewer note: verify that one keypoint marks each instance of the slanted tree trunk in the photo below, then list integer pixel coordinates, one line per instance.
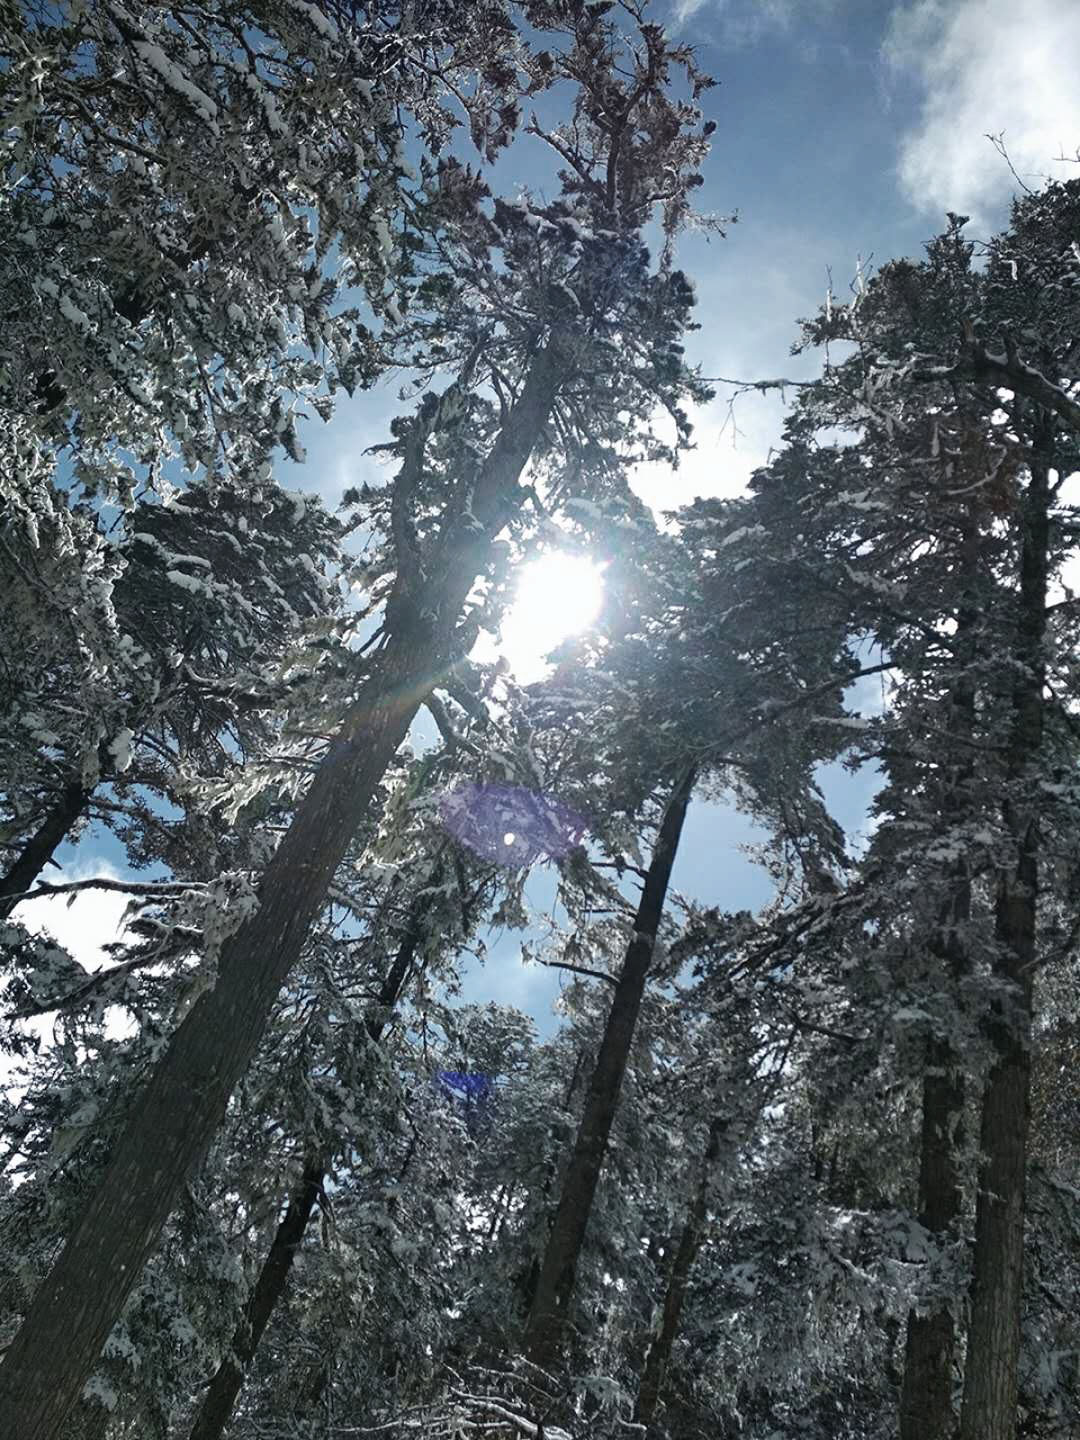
(224, 1389)
(555, 1283)
(174, 1119)
(42, 845)
(217, 1407)
(659, 1352)
(526, 1280)
(991, 1378)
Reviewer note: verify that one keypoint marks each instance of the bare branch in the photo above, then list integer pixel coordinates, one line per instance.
(742, 386)
(577, 970)
(998, 142)
(151, 889)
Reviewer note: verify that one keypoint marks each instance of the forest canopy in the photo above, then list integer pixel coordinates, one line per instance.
(807, 1168)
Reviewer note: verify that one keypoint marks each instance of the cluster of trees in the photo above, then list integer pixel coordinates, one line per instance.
(807, 1172)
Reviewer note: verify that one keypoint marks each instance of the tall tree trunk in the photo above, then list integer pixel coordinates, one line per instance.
(555, 1284)
(526, 1281)
(217, 1407)
(228, 1381)
(180, 1108)
(659, 1352)
(926, 1393)
(42, 845)
(991, 1378)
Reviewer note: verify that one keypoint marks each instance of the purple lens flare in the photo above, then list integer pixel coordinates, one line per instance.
(511, 825)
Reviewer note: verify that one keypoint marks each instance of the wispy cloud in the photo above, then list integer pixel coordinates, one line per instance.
(745, 22)
(986, 67)
(686, 9)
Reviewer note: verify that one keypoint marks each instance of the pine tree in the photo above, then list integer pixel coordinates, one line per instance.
(558, 361)
(938, 533)
(166, 249)
(177, 681)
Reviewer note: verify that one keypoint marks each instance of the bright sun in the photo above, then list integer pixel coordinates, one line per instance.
(557, 596)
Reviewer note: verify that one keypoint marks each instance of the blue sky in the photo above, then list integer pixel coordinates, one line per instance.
(846, 129)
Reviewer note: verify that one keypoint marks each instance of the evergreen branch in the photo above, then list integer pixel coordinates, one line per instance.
(768, 713)
(94, 983)
(453, 737)
(151, 889)
(801, 1023)
(1011, 373)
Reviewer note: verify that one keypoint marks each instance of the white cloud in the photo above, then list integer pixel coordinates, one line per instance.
(746, 22)
(986, 67)
(92, 920)
(727, 452)
(687, 9)
(83, 925)
(740, 21)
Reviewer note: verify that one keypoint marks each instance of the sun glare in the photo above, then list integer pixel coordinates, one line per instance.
(557, 596)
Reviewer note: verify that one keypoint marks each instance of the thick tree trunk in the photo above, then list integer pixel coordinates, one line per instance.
(926, 1397)
(926, 1403)
(991, 1377)
(42, 846)
(926, 1393)
(224, 1389)
(178, 1112)
(555, 1284)
(659, 1352)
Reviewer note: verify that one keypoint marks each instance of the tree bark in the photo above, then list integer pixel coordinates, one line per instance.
(555, 1284)
(659, 1353)
(42, 846)
(224, 1389)
(526, 1280)
(991, 1378)
(179, 1110)
(926, 1392)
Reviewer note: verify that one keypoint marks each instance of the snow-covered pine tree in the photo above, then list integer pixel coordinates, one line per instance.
(324, 1086)
(941, 533)
(571, 318)
(171, 682)
(197, 194)
(684, 688)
